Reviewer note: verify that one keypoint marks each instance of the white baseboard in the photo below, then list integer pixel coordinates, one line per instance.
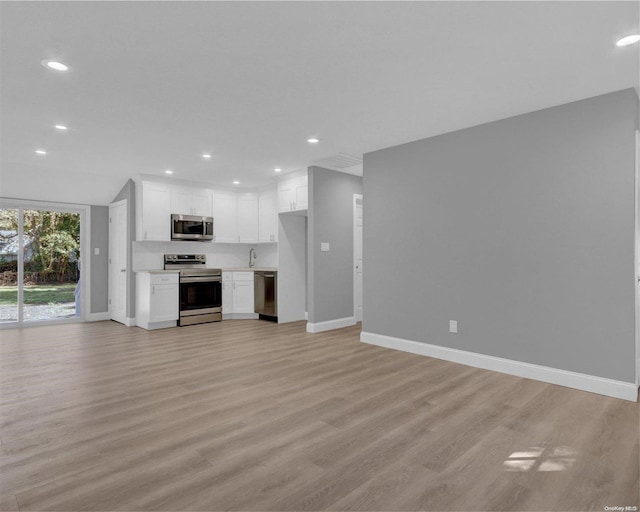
(584, 382)
(329, 325)
(130, 322)
(158, 325)
(98, 317)
(240, 316)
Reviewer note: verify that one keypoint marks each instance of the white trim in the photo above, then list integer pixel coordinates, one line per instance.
(29, 204)
(41, 323)
(118, 203)
(353, 262)
(85, 262)
(97, 317)
(130, 275)
(20, 261)
(130, 322)
(152, 326)
(84, 210)
(240, 316)
(600, 385)
(637, 258)
(329, 325)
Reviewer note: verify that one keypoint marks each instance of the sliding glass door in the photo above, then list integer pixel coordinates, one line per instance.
(9, 254)
(40, 271)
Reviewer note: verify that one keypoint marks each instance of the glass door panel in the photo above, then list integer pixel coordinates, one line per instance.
(9, 256)
(51, 265)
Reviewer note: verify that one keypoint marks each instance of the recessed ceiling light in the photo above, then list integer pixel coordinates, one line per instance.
(277, 169)
(61, 127)
(55, 65)
(41, 151)
(168, 171)
(236, 182)
(206, 155)
(628, 40)
(313, 140)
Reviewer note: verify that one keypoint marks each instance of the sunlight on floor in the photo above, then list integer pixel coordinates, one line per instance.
(560, 458)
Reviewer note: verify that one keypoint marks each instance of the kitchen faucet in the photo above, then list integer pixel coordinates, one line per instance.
(252, 257)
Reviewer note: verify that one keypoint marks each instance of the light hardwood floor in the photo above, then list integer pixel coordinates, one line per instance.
(249, 415)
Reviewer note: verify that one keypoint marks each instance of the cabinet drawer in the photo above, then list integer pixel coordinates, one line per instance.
(164, 278)
(227, 276)
(243, 276)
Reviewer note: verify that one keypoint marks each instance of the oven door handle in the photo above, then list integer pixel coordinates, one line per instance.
(201, 279)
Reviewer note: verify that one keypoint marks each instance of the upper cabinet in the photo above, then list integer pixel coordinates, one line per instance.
(225, 216)
(247, 217)
(238, 217)
(267, 215)
(293, 194)
(154, 223)
(191, 201)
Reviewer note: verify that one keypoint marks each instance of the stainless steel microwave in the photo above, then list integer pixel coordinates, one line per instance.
(191, 227)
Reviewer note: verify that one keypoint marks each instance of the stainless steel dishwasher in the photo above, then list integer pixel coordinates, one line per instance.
(266, 294)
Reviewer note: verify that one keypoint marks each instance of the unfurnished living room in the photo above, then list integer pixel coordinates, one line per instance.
(323, 255)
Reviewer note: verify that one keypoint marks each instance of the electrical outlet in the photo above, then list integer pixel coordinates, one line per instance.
(324, 246)
(96, 251)
(453, 326)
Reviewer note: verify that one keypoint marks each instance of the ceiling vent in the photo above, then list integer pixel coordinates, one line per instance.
(340, 162)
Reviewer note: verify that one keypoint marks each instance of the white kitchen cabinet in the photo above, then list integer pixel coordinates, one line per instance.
(301, 189)
(225, 216)
(157, 300)
(243, 292)
(201, 200)
(293, 194)
(267, 215)
(286, 196)
(238, 217)
(247, 217)
(227, 293)
(237, 295)
(155, 214)
(191, 201)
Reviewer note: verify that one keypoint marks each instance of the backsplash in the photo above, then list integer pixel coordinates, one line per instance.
(150, 255)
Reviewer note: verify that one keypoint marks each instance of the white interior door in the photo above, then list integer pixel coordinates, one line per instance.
(357, 256)
(118, 237)
(637, 256)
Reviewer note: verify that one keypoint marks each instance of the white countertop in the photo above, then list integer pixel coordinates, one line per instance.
(250, 269)
(234, 269)
(159, 271)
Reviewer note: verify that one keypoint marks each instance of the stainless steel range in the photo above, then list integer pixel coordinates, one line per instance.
(200, 288)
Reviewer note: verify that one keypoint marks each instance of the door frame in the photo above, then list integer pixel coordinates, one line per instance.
(636, 246)
(116, 204)
(353, 217)
(85, 257)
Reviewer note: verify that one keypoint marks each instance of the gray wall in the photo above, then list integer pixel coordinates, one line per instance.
(330, 276)
(292, 267)
(99, 263)
(521, 229)
(128, 193)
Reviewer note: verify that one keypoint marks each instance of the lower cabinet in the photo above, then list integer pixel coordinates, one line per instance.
(237, 295)
(157, 300)
(227, 293)
(243, 292)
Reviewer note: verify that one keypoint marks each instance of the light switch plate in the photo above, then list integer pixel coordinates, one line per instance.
(324, 246)
(96, 251)
(453, 326)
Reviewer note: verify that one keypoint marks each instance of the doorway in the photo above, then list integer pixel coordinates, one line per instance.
(41, 272)
(357, 256)
(118, 256)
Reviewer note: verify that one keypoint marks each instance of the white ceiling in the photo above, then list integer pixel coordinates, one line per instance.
(156, 84)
